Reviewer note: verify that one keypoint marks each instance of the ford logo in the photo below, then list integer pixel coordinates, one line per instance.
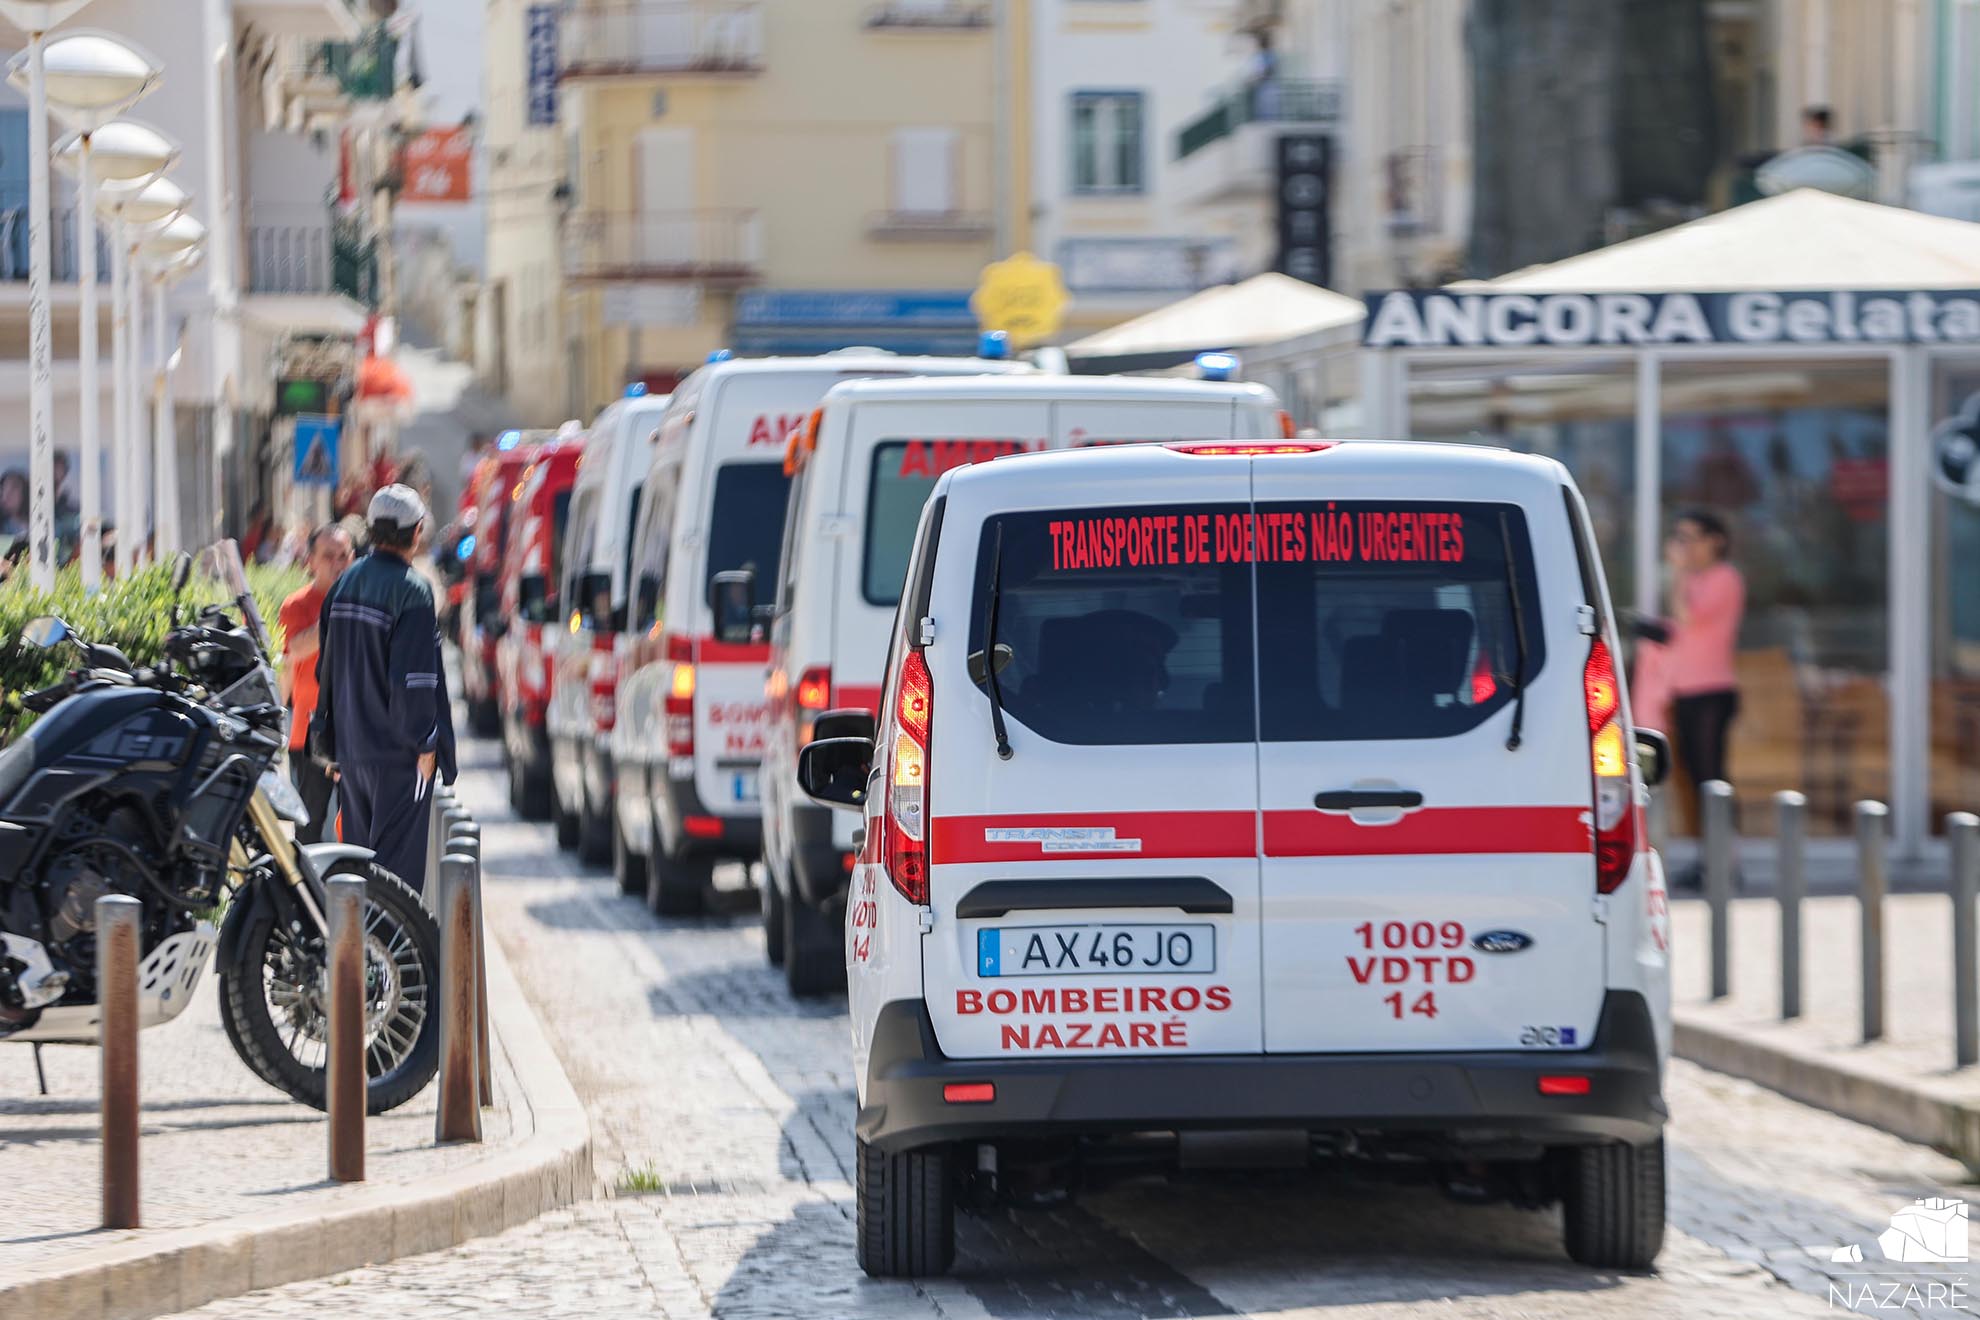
(1502, 941)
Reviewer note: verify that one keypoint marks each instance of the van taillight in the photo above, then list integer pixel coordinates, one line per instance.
(604, 675)
(1615, 818)
(906, 821)
(813, 695)
(679, 709)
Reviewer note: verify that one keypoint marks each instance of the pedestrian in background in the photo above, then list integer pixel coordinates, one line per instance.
(382, 712)
(326, 556)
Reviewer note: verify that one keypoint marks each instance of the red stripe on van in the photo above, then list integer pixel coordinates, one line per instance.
(850, 697)
(1158, 834)
(712, 652)
(1431, 831)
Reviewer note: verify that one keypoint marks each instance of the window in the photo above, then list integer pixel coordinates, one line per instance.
(904, 475)
(583, 537)
(794, 515)
(746, 527)
(536, 601)
(1397, 621)
(1127, 653)
(1107, 142)
(650, 553)
(924, 171)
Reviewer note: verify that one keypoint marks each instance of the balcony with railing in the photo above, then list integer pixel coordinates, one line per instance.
(363, 70)
(1227, 151)
(911, 226)
(320, 19)
(662, 36)
(62, 247)
(712, 246)
(928, 15)
(321, 257)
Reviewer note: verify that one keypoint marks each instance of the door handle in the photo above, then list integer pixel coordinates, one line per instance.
(1359, 799)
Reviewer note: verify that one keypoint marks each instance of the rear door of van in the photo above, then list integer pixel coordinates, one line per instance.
(1098, 892)
(1118, 421)
(1426, 886)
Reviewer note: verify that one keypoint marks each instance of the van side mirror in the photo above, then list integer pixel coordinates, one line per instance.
(534, 603)
(834, 771)
(646, 597)
(595, 598)
(843, 722)
(1653, 756)
(732, 596)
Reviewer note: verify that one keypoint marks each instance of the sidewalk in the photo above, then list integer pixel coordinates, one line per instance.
(1905, 1083)
(233, 1188)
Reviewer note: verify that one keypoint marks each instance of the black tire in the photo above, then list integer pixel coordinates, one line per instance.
(514, 767)
(628, 867)
(1612, 1205)
(678, 889)
(595, 831)
(814, 949)
(906, 1225)
(537, 794)
(773, 918)
(259, 1037)
(568, 826)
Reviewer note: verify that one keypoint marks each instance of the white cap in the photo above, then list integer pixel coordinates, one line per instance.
(397, 504)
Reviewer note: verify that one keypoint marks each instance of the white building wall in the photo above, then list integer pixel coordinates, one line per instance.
(1175, 54)
(451, 34)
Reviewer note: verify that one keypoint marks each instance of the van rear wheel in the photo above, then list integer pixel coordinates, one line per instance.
(906, 1225)
(566, 822)
(773, 918)
(677, 888)
(814, 949)
(628, 867)
(1612, 1204)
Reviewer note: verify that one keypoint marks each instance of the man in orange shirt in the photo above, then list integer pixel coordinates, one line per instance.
(326, 557)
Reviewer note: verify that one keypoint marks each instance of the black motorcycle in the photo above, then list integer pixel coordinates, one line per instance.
(157, 783)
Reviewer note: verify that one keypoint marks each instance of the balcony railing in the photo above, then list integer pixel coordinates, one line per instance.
(1276, 101)
(664, 245)
(331, 257)
(918, 15)
(662, 36)
(365, 69)
(61, 244)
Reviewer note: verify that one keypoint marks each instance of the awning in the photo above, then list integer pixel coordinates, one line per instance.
(1265, 309)
(1799, 240)
(329, 315)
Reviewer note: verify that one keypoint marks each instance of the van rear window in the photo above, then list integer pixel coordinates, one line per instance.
(746, 526)
(1387, 620)
(1397, 623)
(903, 477)
(1115, 634)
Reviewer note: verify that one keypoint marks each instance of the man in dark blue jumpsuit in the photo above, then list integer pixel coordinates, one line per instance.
(382, 714)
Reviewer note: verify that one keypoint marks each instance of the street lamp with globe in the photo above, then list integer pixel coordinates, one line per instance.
(37, 18)
(165, 264)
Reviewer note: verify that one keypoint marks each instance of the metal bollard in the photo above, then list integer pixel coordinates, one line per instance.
(118, 935)
(1963, 830)
(1718, 825)
(436, 839)
(1790, 834)
(467, 840)
(345, 1065)
(459, 1115)
(1871, 821)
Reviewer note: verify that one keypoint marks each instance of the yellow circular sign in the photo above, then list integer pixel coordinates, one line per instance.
(1022, 296)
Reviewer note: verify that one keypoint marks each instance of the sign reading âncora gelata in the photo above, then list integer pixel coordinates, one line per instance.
(1449, 319)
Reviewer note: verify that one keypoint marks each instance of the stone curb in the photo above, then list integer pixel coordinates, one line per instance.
(179, 1269)
(1903, 1109)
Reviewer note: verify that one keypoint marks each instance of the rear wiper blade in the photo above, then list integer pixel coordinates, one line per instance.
(1519, 635)
(990, 648)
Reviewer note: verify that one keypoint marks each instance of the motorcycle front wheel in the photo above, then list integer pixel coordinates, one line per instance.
(272, 998)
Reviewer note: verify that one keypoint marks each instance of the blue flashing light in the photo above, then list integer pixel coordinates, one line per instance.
(636, 390)
(722, 355)
(1217, 366)
(508, 440)
(465, 550)
(994, 345)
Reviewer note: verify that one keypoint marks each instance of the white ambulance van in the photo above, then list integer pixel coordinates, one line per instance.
(690, 704)
(1283, 792)
(861, 472)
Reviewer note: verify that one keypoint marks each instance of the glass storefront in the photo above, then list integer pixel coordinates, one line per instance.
(1954, 779)
(1793, 456)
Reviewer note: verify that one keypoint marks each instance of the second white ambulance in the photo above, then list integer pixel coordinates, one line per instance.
(1284, 791)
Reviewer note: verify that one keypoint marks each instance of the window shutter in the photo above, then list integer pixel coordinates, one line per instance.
(924, 171)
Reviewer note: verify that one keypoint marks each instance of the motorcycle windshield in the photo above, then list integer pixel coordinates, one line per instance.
(221, 562)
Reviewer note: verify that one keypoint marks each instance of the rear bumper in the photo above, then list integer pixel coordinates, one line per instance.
(688, 829)
(1481, 1096)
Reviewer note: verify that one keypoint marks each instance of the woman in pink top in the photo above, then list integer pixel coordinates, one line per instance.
(1708, 598)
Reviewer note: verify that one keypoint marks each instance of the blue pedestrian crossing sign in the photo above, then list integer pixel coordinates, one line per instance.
(316, 449)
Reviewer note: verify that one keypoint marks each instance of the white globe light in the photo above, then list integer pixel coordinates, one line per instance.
(91, 71)
(154, 203)
(123, 151)
(177, 237)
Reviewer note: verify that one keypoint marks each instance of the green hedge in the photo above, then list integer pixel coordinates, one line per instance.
(131, 614)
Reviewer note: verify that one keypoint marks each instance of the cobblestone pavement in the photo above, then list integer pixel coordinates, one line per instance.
(218, 1142)
(723, 1114)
